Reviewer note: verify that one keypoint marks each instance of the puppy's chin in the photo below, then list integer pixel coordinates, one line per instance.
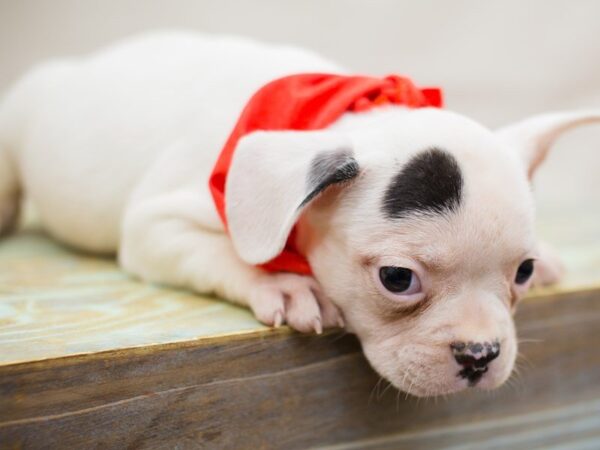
(430, 372)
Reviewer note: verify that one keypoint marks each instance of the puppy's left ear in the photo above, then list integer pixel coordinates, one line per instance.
(533, 137)
(274, 175)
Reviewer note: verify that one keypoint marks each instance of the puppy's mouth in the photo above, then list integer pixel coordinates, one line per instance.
(473, 375)
(429, 372)
(420, 387)
(420, 384)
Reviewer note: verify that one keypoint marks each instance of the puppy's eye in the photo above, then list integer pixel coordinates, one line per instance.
(524, 272)
(399, 280)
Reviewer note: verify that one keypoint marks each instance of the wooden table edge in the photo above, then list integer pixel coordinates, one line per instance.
(538, 295)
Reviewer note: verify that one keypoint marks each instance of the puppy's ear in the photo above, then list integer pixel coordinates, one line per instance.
(533, 137)
(273, 177)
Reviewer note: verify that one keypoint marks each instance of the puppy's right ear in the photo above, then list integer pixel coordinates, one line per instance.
(533, 137)
(273, 177)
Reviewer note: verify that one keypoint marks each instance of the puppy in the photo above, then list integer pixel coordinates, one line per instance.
(408, 224)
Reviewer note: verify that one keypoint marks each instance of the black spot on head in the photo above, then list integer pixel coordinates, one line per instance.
(328, 168)
(431, 183)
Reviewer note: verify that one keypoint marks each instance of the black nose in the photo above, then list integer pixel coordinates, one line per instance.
(474, 357)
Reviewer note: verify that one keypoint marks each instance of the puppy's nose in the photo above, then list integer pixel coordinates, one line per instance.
(474, 357)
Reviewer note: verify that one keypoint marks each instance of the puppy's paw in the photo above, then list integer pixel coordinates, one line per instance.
(549, 268)
(293, 299)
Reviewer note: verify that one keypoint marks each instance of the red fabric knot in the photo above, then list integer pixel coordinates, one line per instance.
(396, 90)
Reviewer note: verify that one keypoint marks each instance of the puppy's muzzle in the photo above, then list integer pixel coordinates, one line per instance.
(474, 357)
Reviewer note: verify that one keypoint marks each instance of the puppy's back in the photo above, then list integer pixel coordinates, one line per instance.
(84, 131)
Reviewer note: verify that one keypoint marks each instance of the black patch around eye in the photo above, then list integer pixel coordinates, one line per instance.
(431, 182)
(328, 168)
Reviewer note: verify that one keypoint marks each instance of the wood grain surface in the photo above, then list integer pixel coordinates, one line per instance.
(284, 390)
(55, 302)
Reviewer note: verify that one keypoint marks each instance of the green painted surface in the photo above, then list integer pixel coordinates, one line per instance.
(55, 302)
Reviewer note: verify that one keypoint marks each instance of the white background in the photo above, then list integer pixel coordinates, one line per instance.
(498, 61)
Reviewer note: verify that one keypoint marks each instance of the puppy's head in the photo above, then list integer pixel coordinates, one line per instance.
(418, 224)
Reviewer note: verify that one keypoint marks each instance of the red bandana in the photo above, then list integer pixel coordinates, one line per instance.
(311, 102)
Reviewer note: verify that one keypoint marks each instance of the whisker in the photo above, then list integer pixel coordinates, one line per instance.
(334, 337)
(386, 388)
(409, 388)
(521, 357)
(529, 341)
(373, 390)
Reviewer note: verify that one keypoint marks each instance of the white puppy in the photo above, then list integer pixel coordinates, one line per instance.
(417, 223)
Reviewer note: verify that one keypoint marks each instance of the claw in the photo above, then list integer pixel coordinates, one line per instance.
(278, 318)
(318, 327)
(341, 322)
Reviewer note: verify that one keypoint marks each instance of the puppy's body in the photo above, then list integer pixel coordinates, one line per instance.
(91, 128)
(115, 150)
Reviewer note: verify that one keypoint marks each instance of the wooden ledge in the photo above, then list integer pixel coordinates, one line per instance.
(296, 391)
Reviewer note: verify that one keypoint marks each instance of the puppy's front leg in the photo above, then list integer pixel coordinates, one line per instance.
(164, 241)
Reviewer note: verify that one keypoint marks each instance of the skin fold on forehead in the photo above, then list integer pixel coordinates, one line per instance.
(431, 183)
